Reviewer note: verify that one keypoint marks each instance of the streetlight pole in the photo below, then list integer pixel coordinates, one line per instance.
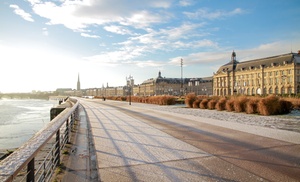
(181, 84)
(129, 86)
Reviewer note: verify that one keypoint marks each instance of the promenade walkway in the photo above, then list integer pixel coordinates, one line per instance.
(132, 143)
(130, 150)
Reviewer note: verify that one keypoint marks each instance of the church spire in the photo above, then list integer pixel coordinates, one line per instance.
(78, 83)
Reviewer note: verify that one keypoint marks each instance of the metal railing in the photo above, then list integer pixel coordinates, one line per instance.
(37, 159)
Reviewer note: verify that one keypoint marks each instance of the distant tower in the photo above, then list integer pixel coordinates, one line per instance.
(159, 74)
(233, 56)
(78, 83)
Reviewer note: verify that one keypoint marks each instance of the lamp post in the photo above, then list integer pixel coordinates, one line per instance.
(181, 84)
(129, 81)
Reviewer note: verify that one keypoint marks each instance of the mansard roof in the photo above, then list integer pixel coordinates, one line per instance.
(161, 79)
(258, 63)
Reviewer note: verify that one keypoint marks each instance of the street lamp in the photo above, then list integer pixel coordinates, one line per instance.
(129, 81)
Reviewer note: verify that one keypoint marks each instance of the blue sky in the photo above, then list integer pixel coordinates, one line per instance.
(45, 44)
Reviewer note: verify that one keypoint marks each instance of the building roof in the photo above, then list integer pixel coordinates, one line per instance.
(258, 63)
(161, 79)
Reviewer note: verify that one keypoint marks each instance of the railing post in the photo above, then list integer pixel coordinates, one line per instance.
(68, 130)
(30, 171)
(57, 148)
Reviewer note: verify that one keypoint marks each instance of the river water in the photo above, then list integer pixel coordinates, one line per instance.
(21, 119)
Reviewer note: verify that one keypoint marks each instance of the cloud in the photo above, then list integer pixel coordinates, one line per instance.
(186, 3)
(136, 46)
(118, 30)
(205, 13)
(79, 15)
(89, 36)
(223, 56)
(115, 58)
(148, 63)
(21, 12)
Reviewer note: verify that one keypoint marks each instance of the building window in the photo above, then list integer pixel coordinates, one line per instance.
(276, 90)
(270, 90)
(282, 90)
(289, 71)
(276, 73)
(290, 79)
(270, 74)
(253, 92)
(290, 90)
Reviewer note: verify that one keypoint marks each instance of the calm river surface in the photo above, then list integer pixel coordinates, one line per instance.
(21, 119)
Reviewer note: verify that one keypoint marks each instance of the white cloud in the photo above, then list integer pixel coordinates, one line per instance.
(117, 29)
(22, 13)
(222, 57)
(148, 63)
(205, 13)
(89, 36)
(186, 2)
(79, 15)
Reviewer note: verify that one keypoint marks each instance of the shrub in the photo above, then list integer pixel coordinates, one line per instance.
(269, 106)
(229, 105)
(239, 104)
(203, 104)
(220, 106)
(196, 103)
(212, 104)
(167, 100)
(189, 99)
(285, 106)
(251, 106)
(295, 102)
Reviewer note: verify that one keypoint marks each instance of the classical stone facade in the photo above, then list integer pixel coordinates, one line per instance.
(174, 86)
(272, 75)
(157, 86)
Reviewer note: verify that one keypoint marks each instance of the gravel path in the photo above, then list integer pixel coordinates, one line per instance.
(290, 122)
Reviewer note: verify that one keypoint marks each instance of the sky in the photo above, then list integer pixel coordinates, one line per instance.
(45, 44)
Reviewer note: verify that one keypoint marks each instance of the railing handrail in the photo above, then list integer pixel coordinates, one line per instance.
(11, 165)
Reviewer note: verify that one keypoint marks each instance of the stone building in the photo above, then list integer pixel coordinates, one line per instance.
(271, 75)
(174, 86)
(157, 86)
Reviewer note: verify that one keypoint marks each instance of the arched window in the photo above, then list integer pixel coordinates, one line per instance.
(270, 90)
(276, 90)
(253, 91)
(248, 91)
(282, 90)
